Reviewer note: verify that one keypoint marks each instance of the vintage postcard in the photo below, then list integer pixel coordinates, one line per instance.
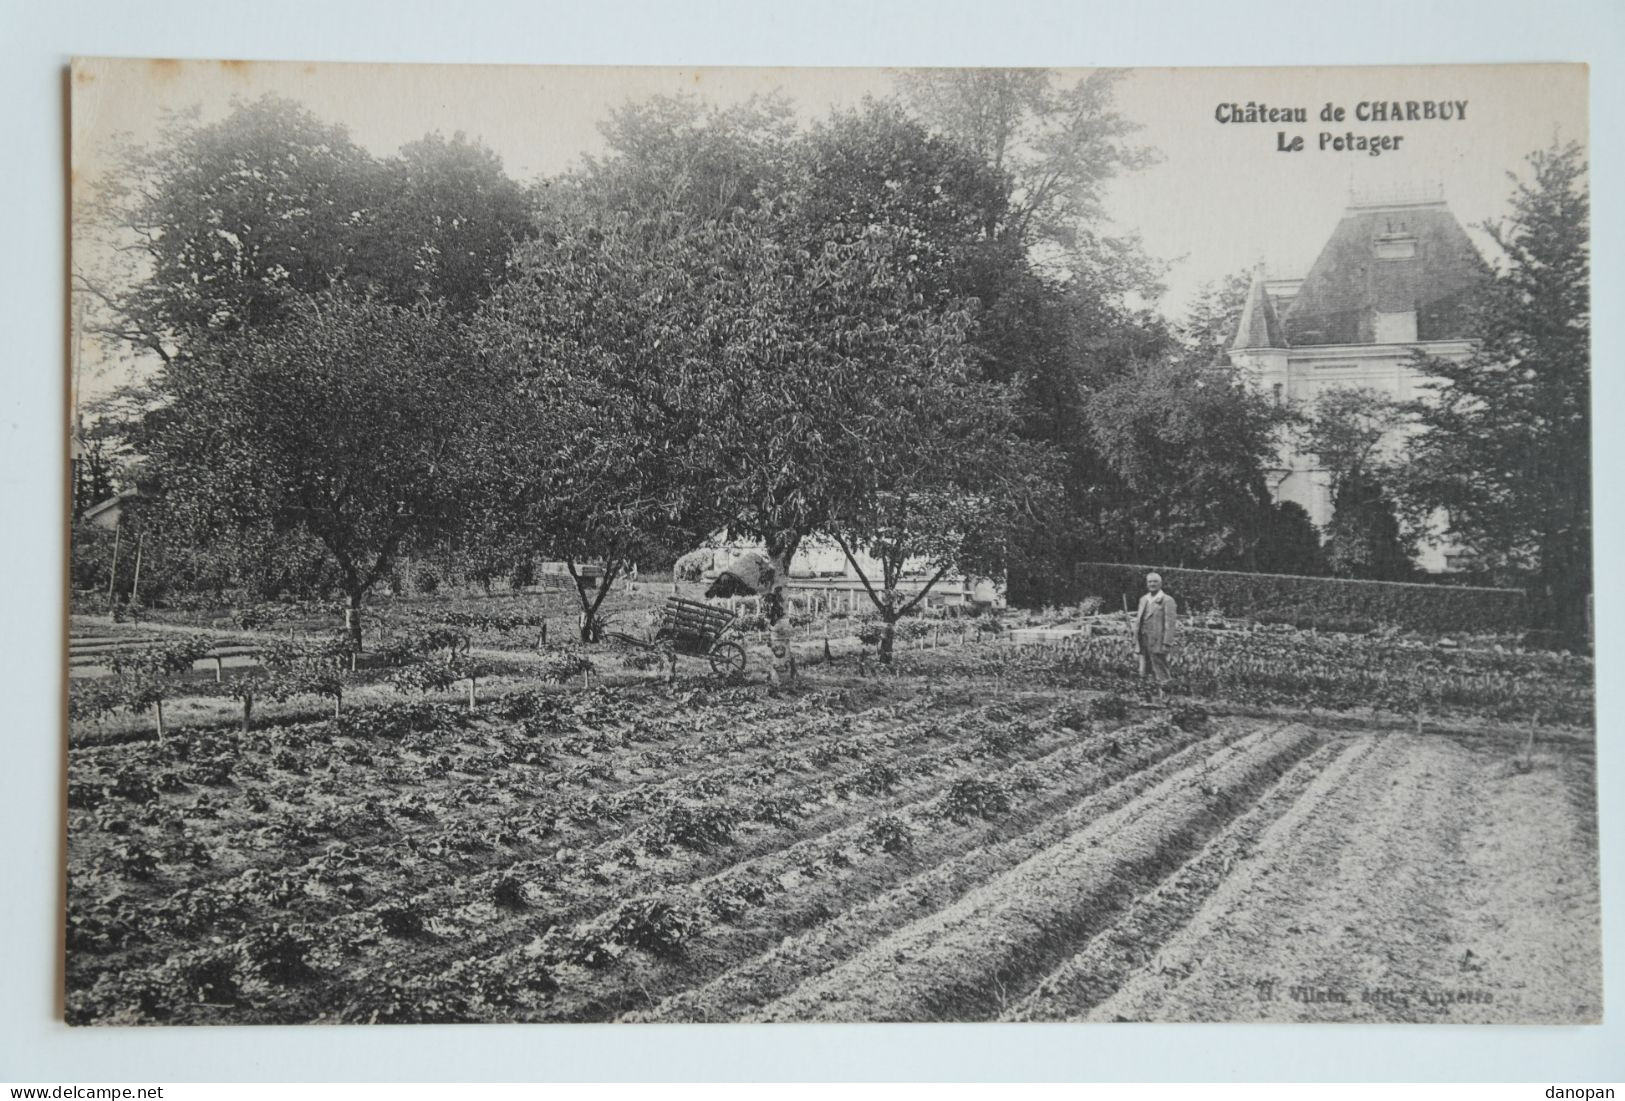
(594, 544)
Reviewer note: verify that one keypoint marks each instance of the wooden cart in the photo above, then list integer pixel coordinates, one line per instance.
(695, 629)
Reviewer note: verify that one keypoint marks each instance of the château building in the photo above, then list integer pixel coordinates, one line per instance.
(1395, 276)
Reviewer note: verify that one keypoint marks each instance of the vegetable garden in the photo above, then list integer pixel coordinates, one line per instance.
(979, 830)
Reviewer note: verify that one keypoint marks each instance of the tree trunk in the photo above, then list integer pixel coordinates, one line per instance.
(886, 638)
(589, 608)
(780, 551)
(352, 618)
(776, 603)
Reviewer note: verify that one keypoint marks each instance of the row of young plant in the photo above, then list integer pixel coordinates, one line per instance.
(946, 865)
(325, 758)
(1338, 673)
(672, 840)
(668, 937)
(509, 625)
(672, 828)
(372, 750)
(406, 924)
(999, 941)
(431, 660)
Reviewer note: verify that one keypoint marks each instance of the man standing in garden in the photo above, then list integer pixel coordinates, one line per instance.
(1155, 629)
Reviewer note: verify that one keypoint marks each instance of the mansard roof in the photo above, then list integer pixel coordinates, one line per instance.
(1388, 257)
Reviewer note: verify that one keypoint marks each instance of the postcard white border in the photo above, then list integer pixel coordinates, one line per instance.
(35, 44)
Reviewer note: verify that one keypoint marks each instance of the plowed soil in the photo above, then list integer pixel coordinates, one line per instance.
(888, 853)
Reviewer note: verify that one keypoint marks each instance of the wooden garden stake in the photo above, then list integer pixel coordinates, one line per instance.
(471, 703)
(248, 710)
(112, 573)
(135, 582)
(158, 710)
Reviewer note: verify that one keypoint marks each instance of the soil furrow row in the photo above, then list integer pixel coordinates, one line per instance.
(998, 848)
(1131, 943)
(973, 959)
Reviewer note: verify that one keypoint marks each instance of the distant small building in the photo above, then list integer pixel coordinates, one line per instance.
(1396, 276)
(110, 513)
(589, 574)
(821, 566)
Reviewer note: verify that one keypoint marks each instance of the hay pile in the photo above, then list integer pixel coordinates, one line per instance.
(750, 574)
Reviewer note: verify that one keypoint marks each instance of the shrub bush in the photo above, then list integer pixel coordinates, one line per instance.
(1308, 619)
(1325, 603)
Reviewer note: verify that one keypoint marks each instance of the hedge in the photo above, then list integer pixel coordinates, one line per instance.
(1332, 601)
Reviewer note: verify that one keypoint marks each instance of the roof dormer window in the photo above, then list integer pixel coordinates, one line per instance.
(1396, 246)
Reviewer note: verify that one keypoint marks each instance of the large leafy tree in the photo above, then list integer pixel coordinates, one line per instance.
(447, 217)
(1505, 444)
(1059, 144)
(948, 484)
(1209, 324)
(217, 236)
(827, 354)
(1064, 301)
(602, 344)
(681, 155)
(694, 375)
(219, 228)
(225, 225)
(799, 295)
(350, 421)
(1186, 448)
(1349, 431)
(875, 165)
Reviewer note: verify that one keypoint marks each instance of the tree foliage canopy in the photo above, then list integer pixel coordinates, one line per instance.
(1058, 144)
(903, 325)
(351, 420)
(1188, 447)
(1505, 443)
(222, 228)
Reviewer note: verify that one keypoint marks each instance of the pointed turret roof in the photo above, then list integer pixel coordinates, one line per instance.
(1258, 327)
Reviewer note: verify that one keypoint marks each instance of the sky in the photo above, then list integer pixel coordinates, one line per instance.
(1219, 198)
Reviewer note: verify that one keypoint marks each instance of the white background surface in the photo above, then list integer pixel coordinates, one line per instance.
(36, 40)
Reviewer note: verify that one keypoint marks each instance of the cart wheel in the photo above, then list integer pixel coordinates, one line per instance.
(727, 658)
